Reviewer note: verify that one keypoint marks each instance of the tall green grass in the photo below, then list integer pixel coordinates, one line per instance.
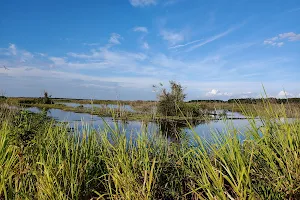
(46, 160)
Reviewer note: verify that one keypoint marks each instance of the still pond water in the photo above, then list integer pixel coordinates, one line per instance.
(112, 106)
(204, 129)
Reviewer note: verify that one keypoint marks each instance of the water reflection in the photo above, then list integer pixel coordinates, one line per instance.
(172, 129)
(175, 129)
(109, 106)
(217, 114)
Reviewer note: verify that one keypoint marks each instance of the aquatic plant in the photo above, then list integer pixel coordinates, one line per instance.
(56, 162)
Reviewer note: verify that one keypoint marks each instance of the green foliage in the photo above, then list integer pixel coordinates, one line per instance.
(169, 101)
(46, 99)
(40, 160)
(192, 110)
(8, 160)
(26, 125)
(3, 99)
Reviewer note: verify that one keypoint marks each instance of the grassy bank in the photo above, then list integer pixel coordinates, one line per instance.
(121, 114)
(146, 110)
(40, 160)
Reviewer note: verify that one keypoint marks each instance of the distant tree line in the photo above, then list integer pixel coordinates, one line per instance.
(251, 100)
(272, 100)
(207, 101)
(46, 99)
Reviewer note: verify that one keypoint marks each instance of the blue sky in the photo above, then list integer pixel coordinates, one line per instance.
(117, 49)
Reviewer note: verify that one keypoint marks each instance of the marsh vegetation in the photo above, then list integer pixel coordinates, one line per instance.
(44, 158)
(41, 159)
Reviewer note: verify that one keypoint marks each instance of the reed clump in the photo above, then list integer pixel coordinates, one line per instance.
(41, 159)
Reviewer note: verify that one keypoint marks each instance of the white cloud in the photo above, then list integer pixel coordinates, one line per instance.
(214, 93)
(140, 29)
(291, 36)
(141, 40)
(13, 49)
(41, 54)
(115, 38)
(171, 36)
(245, 95)
(111, 56)
(89, 85)
(91, 44)
(217, 93)
(183, 45)
(274, 42)
(25, 56)
(211, 39)
(280, 44)
(106, 62)
(142, 3)
(117, 61)
(43, 78)
(58, 61)
(284, 94)
(278, 41)
(106, 57)
(168, 62)
(130, 82)
(145, 45)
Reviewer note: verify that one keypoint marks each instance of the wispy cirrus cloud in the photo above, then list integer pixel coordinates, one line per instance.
(115, 38)
(201, 42)
(91, 44)
(281, 38)
(108, 62)
(211, 39)
(172, 37)
(145, 45)
(140, 29)
(142, 3)
(186, 44)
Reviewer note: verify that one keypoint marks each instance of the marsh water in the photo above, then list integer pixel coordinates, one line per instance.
(112, 106)
(202, 128)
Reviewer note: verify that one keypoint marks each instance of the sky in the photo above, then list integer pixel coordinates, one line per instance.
(119, 49)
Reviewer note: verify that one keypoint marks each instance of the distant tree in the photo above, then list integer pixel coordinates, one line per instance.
(47, 98)
(169, 101)
(2, 95)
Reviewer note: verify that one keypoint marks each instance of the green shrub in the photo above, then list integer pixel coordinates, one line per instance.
(169, 101)
(191, 110)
